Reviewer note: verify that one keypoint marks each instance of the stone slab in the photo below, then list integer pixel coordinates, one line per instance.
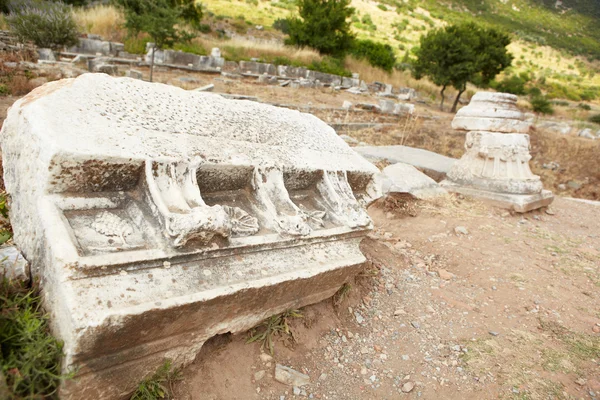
(13, 265)
(516, 202)
(432, 164)
(404, 178)
(156, 218)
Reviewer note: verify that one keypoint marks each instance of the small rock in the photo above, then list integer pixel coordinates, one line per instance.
(408, 387)
(323, 376)
(296, 391)
(596, 329)
(415, 324)
(290, 377)
(259, 375)
(405, 357)
(207, 272)
(549, 211)
(265, 357)
(359, 318)
(461, 230)
(494, 333)
(581, 381)
(399, 312)
(445, 275)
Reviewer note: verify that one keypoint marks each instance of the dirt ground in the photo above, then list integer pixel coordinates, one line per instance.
(506, 306)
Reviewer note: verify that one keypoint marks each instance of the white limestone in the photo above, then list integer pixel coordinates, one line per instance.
(156, 218)
(402, 178)
(495, 165)
(494, 112)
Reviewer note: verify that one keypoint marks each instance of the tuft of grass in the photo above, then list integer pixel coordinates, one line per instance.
(341, 294)
(29, 355)
(159, 385)
(276, 325)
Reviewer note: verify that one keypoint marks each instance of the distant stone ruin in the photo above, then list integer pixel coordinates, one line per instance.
(156, 218)
(495, 166)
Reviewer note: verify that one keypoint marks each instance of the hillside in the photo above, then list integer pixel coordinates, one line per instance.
(557, 42)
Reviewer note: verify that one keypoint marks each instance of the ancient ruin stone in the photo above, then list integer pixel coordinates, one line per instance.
(156, 218)
(495, 166)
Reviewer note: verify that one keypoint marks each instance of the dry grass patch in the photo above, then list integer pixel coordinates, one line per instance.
(241, 49)
(103, 20)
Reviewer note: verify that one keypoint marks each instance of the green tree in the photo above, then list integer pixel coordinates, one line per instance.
(459, 54)
(324, 25)
(159, 19)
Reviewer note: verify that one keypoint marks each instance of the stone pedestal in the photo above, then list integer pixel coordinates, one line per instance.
(156, 218)
(495, 166)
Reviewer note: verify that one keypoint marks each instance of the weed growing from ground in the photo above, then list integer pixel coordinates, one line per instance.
(159, 385)
(276, 325)
(29, 354)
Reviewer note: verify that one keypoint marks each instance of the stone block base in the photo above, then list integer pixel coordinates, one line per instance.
(520, 203)
(182, 308)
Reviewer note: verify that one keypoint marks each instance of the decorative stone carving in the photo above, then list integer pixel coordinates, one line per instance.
(126, 193)
(495, 165)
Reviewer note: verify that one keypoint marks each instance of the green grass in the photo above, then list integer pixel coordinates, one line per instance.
(159, 385)
(277, 325)
(29, 356)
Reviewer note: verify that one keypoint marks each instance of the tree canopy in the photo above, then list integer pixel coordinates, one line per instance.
(459, 54)
(323, 25)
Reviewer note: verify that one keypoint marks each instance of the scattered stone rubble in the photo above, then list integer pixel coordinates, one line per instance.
(495, 166)
(149, 214)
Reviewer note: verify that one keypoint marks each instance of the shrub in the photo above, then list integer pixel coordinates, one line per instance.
(382, 7)
(595, 118)
(512, 84)
(584, 106)
(541, 105)
(204, 28)
(378, 54)
(3, 90)
(282, 25)
(534, 91)
(45, 23)
(330, 65)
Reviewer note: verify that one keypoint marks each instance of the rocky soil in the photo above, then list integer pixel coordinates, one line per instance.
(458, 300)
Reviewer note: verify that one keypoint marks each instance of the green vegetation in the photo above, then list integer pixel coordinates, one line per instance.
(29, 355)
(271, 327)
(595, 118)
(541, 105)
(46, 23)
(159, 385)
(378, 54)
(459, 54)
(323, 25)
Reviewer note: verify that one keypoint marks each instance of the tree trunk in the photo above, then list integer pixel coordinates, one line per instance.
(443, 98)
(152, 63)
(460, 92)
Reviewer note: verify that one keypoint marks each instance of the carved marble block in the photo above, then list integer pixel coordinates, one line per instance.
(495, 166)
(156, 218)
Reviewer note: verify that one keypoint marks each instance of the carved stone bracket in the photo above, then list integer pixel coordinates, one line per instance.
(177, 202)
(339, 199)
(273, 202)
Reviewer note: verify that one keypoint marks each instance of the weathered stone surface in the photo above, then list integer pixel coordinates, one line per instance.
(206, 88)
(157, 218)
(291, 377)
(387, 106)
(172, 57)
(432, 164)
(135, 74)
(404, 178)
(496, 162)
(403, 109)
(587, 133)
(13, 265)
(257, 68)
(560, 127)
(494, 112)
(46, 55)
(495, 165)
